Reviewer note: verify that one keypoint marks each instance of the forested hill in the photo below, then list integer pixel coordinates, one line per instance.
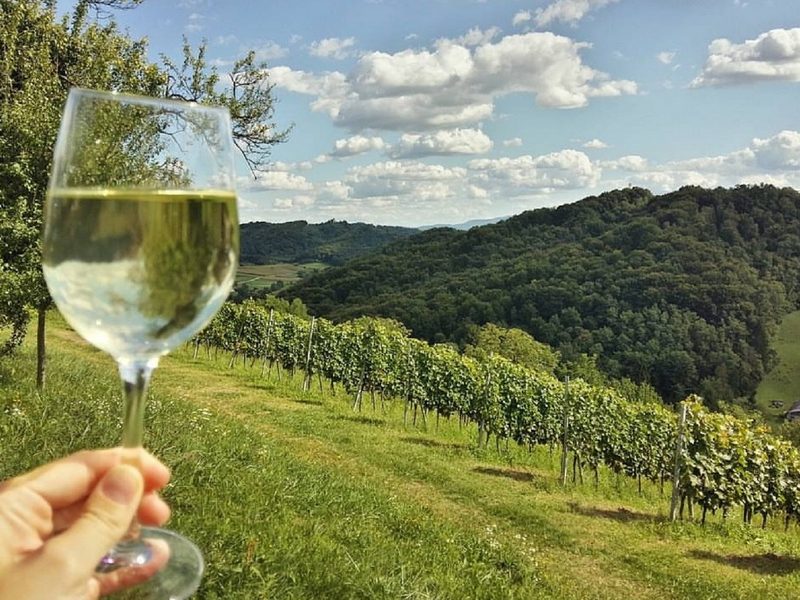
(682, 290)
(333, 242)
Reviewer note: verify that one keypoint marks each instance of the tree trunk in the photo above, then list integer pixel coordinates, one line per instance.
(40, 347)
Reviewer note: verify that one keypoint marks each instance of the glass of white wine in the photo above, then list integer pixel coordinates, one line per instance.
(140, 248)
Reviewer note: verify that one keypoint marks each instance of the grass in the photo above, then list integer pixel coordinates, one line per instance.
(258, 276)
(781, 386)
(293, 495)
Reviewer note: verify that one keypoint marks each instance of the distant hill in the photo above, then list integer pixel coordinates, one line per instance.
(683, 290)
(466, 225)
(332, 243)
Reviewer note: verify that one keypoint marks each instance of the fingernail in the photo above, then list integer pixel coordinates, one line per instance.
(121, 484)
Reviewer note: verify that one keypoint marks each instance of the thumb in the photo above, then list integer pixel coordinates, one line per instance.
(107, 515)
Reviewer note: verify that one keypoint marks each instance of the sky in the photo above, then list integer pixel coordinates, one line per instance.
(421, 112)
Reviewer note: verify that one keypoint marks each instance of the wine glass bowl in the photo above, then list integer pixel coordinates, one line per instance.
(139, 250)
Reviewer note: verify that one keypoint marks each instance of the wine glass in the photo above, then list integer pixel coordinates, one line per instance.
(139, 250)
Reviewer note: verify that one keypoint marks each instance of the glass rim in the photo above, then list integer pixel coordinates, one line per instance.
(141, 99)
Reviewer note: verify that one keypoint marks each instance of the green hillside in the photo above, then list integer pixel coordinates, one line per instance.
(780, 389)
(682, 290)
(293, 495)
(332, 242)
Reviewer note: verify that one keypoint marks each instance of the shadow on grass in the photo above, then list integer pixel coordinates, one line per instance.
(621, 514)
(432, 443)
(522, 476)
(359, 419)
(761, 564)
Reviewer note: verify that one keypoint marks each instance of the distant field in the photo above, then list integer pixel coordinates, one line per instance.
(265, 275)
(782, 384)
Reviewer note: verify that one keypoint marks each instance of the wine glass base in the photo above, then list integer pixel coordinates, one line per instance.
(170, 565)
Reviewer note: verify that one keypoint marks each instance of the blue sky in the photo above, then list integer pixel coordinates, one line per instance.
(416, 112)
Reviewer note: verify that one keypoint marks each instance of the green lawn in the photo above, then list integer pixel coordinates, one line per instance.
(293, 495)
(782, 384)
(265, 275)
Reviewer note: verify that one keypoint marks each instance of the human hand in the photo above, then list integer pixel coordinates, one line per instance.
(57, 522)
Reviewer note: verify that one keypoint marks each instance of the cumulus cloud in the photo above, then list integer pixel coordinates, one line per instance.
(567, 11)
(195, 23)
(595, 144)
(337, 48)
(565, 169)
(276, 180)
(442, 143)
(774, 159)
(477, 37)
(665, 58)
(521, 17)
(514, 142)
(772, 56)
(453, 85)
(781, 151)
(357, 144)
(270, 51)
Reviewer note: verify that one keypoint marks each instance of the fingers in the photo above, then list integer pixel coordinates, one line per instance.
(152, 511)
(66, 481)
(107, 515)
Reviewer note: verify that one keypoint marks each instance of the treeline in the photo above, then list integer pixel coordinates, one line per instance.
(682, 291)
(723, 461)
(332, 242)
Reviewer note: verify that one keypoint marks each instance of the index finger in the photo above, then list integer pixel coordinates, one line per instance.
(68, 480)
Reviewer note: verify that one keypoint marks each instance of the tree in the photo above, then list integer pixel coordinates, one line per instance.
(513, 344)
(40, 59)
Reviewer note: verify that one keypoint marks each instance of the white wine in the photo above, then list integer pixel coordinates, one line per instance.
(137, 272)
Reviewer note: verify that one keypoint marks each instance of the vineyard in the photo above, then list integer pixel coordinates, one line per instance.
(718, 461)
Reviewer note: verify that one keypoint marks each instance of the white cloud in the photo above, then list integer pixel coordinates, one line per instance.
(301, 201)
(409, 182)
(781, 151)
(595, 144)
(567, 11)
(477, 37)
(276, 180)
(565, 169)
(270, 51)
(337, 48)
(357, 144)
(225, 40)
(521, 17)
(195, 23)
(445, 142)
(774, 55)
(665, 58)
(631, 162)
(774, 159)
(514, 142)
(453, 85)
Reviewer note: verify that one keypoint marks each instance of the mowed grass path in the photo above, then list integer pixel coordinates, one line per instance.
(293, 495)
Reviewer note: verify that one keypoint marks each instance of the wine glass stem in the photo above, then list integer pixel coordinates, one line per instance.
(135, 376)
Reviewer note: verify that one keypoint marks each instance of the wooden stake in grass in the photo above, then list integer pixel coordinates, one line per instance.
(307, 379)
(676, 473)
(565, 433)
(269, 335)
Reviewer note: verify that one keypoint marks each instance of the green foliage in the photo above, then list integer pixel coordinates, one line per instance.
(681, 291)
(514, 344)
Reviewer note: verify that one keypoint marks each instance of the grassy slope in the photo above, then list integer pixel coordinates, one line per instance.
(264, 275)
(295, 496)
(783, 382)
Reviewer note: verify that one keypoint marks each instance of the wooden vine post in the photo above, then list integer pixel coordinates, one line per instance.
(676, 472)
(266, 342)
(565, 433)
(307, 379)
